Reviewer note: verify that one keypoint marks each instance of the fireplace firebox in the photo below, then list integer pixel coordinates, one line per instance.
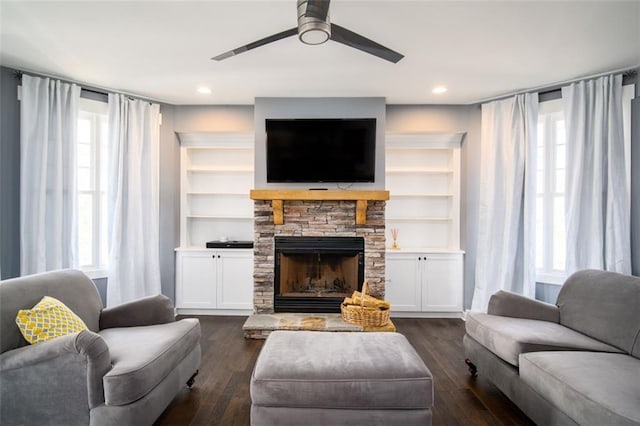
(314, 274)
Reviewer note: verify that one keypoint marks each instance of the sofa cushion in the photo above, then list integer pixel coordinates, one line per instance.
(603, 305)
(313, 369)
(509, 337)
(143, 356)
(592, 388)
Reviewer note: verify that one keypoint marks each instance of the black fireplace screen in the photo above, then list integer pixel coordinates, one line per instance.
(314, 274)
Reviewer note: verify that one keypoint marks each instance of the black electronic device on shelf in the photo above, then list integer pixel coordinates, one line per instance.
(230, 244)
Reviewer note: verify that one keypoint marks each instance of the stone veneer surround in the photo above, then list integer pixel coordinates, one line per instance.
(303, 218)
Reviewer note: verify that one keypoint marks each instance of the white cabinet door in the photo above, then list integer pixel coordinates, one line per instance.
(235, 280)
(196, 284)
(403, 286)
(442, 283)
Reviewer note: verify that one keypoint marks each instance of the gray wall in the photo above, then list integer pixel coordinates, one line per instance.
(635, 181)
(9, 175)
(213, 118)
(169, 200)
(317, 108)
(448, 118)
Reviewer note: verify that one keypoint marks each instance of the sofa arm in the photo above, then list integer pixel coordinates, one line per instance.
(507, 304)
(145, 311)
(75, 363)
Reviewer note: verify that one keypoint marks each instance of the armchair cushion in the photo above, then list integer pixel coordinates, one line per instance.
(48, 319)
(510, 337)
(143, 356)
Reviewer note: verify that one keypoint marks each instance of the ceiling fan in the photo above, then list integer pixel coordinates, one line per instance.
(314, 28)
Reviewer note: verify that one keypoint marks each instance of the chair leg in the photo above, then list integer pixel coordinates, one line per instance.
(473, 370)
(192, 379)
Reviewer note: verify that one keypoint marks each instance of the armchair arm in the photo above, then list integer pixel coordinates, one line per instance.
(513, 305)
(72, 364)
(145, 311)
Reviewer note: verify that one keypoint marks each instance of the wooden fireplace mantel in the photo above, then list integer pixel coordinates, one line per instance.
(278, 196)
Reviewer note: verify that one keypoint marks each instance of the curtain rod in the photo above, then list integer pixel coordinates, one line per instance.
(93, 89)
(627, 73)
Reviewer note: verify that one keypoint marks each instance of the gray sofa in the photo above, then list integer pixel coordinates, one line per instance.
(124, 370)
(576, 362)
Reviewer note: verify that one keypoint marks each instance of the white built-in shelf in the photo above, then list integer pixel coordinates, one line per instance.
(204, 216)
(419, 219)
(423, 178)
(396, 195)
(426, 171)
(216, 177)
(220, 169)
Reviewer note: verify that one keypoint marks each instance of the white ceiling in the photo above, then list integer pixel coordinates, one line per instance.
(162, 50)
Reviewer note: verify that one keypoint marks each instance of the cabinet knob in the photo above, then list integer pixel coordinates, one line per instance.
(218, 256)
(419, 258)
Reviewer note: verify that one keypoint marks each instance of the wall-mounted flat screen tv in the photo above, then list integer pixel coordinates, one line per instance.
(321, 150)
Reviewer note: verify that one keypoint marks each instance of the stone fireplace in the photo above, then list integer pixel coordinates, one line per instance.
(313, 276)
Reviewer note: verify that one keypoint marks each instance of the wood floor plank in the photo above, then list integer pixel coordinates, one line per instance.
(220, 395)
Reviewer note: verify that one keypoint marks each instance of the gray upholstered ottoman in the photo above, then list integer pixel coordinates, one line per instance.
(331, 378)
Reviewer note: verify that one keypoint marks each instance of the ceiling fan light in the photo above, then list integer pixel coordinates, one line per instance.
(311, 29)
(313, 36)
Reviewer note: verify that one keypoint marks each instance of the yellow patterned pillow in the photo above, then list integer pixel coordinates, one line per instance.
(49, 319)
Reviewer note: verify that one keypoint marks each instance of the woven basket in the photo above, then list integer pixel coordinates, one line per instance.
(363, 315)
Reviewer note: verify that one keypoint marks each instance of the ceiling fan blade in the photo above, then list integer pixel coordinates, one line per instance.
(351, 39)
(318, 9)
(261, 42)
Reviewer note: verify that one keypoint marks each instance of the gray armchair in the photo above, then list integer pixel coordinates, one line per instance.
(125, 369)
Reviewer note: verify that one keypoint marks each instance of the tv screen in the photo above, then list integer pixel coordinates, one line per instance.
(321, 150)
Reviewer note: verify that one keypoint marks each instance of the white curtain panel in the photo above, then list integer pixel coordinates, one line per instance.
(597, 199)
(48, 206)
(506, 226)
(134, 139)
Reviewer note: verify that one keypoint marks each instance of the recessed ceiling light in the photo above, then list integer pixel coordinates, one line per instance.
(439, 90)
(204, 90)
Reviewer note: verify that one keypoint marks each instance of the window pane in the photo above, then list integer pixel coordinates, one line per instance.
(84, 155)
(84, 130)
(560, 157)
(559, 249)
(104, 157)
(84, 179)
(539, 234)
(540, 182)
(104, 229)
(560, 181)
(540, 158)
(85, 229)
(560, 132)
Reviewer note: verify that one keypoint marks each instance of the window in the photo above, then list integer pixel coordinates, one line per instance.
(550, 186)
(550, 193)
(91, 160)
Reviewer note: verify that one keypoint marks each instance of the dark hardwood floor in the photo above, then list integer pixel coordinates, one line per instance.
(220, 395)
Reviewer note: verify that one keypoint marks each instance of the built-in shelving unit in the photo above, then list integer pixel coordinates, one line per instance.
(423, 178)
(424, 276)
(216, 177)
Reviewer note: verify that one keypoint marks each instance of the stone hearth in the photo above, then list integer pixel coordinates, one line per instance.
(316, 218)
